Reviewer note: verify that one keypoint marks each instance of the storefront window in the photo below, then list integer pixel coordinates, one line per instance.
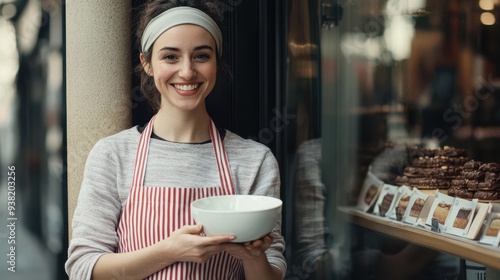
(406, 92)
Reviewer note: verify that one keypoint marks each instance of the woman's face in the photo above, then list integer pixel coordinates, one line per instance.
(184, 66)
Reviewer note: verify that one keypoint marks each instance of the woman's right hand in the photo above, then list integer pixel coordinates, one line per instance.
(188, 244)
(185, 244)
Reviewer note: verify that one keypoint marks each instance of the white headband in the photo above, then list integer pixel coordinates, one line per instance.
(177, 16)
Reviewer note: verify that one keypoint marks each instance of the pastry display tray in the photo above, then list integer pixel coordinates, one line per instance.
(455, 245)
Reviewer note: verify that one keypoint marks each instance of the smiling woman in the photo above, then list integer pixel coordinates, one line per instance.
(155, 20)
(184, 70)
(133, 216)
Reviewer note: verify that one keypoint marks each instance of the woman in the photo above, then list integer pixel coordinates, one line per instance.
(132, 220)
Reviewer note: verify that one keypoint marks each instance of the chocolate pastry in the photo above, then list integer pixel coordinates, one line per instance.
(370, 194)
(386, 203)
(458, 183)
(417, 207)
(473, 175)
(490, 167)
(456, 161)
(439, 161)
(487, 195)
(472, 164)
(439, 172)
(423, 183)
(422, 161)
(493, 228)
(490, 176)
(472, 185)
(415, 152)
(441, 212)
(462, 218)
(489, 186)
(462, 193)
(402, 180)
(402, 205)
(448, 151)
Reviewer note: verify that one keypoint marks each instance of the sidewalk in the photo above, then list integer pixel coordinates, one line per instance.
(32, 260)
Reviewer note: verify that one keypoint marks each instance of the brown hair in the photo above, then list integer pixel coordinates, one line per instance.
(150, 10)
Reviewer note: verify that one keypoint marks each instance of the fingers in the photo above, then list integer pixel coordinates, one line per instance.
(187, 244)
(218, 239)
(208, 240)
(250, 250)
(191, 229)
(267, 240)
(197, 230)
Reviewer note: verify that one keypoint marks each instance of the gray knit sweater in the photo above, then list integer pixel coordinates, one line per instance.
(108, 176)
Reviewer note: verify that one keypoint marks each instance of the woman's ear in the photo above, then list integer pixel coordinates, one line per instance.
(145, 65)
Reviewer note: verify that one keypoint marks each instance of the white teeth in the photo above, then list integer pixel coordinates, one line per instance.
(186, 87)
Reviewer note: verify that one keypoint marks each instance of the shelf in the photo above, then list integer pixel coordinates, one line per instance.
(461, 247)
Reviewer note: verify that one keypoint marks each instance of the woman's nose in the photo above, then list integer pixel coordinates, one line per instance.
(187, 70)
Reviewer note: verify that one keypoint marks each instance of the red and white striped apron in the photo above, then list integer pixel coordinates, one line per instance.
(151, 214)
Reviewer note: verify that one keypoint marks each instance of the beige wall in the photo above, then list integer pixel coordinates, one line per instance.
(98, 68)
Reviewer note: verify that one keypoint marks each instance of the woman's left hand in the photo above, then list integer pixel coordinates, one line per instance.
(252, 250)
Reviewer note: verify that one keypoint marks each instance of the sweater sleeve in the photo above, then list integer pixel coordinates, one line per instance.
(97, 213)
(268, 183)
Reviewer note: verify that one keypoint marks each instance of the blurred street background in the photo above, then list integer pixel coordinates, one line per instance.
(32, 115)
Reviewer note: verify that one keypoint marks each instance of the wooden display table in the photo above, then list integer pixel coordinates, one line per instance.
(455, 245)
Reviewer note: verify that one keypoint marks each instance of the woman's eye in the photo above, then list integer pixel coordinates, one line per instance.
(202, 56)
(169, 57)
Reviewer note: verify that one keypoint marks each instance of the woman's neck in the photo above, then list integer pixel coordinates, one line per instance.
(188, 128)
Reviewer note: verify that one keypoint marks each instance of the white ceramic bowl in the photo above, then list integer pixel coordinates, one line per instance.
(248, 217)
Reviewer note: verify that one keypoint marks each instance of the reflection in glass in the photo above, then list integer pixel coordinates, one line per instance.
(391, 75)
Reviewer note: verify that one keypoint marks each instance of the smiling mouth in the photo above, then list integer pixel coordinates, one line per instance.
(186, 87)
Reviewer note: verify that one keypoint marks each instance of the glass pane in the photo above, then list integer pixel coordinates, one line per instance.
(406, 91)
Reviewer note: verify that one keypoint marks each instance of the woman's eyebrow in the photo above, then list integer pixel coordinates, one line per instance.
(203, 47)
(173, 49)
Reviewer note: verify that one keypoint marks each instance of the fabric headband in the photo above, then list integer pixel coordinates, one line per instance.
(177, 16)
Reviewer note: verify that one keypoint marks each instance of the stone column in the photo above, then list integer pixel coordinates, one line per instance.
(98, 75)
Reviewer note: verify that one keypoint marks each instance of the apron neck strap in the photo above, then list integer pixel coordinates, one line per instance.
(226, 181)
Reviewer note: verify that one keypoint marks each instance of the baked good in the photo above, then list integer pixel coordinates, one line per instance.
(472, 185)
(473, 174)
(438, 161)
(441, 212)
(472, 164)
(449, 168)
(490, 167)
(423, 183)
(386, 203)
(462, 193)
(458, 183)
(402, 205)
(370, 194)
(489, 185)
(493, 228)
(462, 218)
(487, 195)
(437, 172)
(402, 180)
(448, 151)
(490, 176)
(416, 152)
(416, 208)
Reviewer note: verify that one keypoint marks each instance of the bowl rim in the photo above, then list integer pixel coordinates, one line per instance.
(278, 205)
